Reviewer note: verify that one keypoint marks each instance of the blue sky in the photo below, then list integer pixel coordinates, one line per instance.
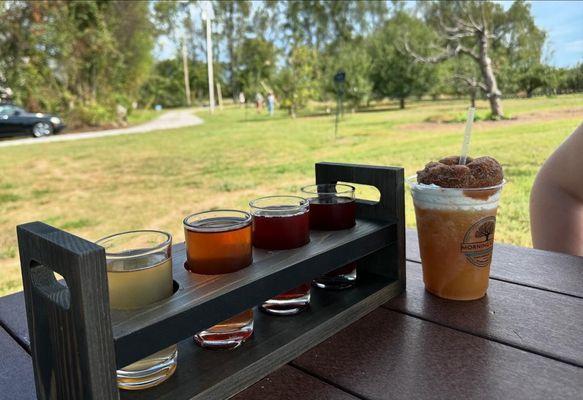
(562, 20)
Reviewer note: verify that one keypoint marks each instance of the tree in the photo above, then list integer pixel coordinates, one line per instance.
(295, 81)
(165, 83)
(572, 79)
(531, 78)
(318, 23)
(257, 64)
(478, 31)
(393, 72)
(76, 58)
(354, 59)
(519, 52)
(234, 17)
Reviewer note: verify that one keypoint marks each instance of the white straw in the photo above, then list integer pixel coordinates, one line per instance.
(467, 136)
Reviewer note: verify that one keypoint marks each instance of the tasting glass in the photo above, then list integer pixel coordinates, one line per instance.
(139, 273)
(280, 223)
(219, 242)
(333, 207)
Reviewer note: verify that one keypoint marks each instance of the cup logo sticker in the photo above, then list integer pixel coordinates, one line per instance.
(479, 241)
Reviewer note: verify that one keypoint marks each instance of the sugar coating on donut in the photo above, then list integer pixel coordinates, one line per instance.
(476, 173)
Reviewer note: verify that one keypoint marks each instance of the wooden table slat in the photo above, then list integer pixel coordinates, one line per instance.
(13, 318)
(391, 355)
(535, 320)
(16, 376)
(289, 383)
(547, 270)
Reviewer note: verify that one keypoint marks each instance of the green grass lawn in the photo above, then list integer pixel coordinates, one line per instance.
(96, 187)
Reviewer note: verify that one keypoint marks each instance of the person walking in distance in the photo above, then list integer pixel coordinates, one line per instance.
(259, 102)
(241, 99)
(270, 103)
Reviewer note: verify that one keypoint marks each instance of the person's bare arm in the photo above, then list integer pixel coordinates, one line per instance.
(556, 200)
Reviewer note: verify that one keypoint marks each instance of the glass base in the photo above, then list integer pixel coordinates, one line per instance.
(289, 303)
(150, 371)
(340, 279)
(229, 334)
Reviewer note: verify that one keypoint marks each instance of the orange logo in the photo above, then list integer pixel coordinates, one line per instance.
(479, 241)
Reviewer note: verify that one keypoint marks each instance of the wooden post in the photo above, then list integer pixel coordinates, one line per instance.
(68, 321)
(220, 94)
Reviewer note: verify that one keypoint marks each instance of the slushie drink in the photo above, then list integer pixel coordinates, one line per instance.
(456, 206)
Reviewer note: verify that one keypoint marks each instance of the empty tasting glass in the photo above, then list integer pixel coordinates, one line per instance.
(219, 242)
(332, 207)
(139, 273)
(279, 223)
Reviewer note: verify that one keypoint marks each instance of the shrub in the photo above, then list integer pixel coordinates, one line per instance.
(90, 114)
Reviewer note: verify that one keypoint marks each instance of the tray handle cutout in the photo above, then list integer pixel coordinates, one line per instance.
(68, 321)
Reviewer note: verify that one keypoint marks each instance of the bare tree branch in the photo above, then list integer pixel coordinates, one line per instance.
(459, 36)
(449, 53)
(476, 27)
(472, 82)
(469, 52)
(455, 29)
(464, 25)
(484, 27)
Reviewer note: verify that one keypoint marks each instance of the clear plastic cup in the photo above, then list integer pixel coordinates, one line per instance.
(456, 237)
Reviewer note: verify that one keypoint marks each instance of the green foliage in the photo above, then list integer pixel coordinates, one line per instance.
(518, 51)
(394, 73)
(257, 64)
(68, 57)
(571, 79)
(295, 82)
(354, 59)
(235, 20)
(92, 114)
(165, 85)
(530, 78)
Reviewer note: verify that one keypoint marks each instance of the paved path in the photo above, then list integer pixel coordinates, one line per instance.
(169, 120)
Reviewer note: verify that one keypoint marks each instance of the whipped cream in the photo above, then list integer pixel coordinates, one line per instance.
(438, 198)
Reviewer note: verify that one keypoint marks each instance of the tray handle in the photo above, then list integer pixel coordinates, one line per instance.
(388, 180)
(68, 322)
(390, 207)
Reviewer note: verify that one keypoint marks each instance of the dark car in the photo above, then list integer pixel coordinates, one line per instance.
(15, 120)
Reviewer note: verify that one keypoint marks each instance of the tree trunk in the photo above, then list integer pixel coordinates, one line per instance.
(487, 70)
(473, 98)
(402, 103)
(230, 33)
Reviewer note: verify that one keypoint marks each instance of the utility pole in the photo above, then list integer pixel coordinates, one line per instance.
(208, 15)
(185, 67)
(220, 95)
(184, 4)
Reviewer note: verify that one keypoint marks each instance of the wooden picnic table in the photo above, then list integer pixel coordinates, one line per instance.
(524, 340)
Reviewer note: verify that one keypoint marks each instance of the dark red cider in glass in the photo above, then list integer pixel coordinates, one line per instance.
(332, 213)
(281, 232)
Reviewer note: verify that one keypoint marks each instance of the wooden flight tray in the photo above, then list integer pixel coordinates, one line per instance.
(73, 332)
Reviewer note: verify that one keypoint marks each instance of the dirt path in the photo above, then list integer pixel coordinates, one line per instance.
(537, 116)
(169, 120)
